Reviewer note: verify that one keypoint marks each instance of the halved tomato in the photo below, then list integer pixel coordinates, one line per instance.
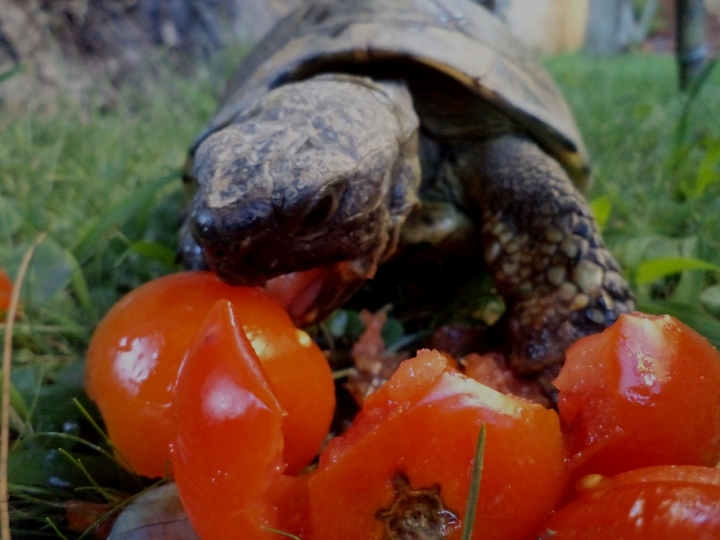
(643, 392)
(404, 466)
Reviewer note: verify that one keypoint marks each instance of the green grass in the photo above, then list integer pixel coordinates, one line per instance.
(104, 185)
(656, 155)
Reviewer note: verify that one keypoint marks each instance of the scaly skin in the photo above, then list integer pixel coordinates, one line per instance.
(543, 249)
(313, 174)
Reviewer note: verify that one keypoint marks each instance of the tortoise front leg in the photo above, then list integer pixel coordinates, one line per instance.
(543, 248)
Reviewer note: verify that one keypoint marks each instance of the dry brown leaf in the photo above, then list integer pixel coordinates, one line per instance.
(81, 515)
(373, 363)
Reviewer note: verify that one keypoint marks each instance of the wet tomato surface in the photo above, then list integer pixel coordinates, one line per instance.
(228, 448)
(137, 349)
(643, 392)
(406, 461)
(655, 503)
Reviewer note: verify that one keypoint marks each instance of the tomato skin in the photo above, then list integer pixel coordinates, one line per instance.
(136, 351)
(655, 503)
(424, 423)
(228, 450)
(641, 393)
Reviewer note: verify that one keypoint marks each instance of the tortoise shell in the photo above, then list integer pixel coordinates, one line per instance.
(456, 38)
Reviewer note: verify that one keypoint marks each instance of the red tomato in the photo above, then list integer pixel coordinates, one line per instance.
(655, 503)
(137, 349)
(643, 392)
(228, 451)
(6, 287)
(408, 458)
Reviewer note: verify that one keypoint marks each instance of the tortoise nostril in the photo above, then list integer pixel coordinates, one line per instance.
(204, 225)
(320, 213)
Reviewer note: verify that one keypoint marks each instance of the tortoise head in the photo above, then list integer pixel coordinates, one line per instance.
(312, 174)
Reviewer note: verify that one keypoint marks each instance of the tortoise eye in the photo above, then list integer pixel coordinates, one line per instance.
(321, 212)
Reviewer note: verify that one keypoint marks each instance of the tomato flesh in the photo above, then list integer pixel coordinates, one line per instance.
(136, 351)
(643, 392)
(418, 433)
(655, 503)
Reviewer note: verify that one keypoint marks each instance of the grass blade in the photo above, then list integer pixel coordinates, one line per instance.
(682, 127)
(281, 533)
(649, 271)
(155, 251)
(474, 494)
(82, 292)
(116, 215)
(56, 529)
(122, 460)
(5, 75)
(5, 424)
(601, 208)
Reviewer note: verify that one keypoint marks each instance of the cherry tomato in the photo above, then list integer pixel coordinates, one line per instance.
(643, 392)
(407, 459)
(656, 503)
(6, 287)
(137, 349)
(228, 451)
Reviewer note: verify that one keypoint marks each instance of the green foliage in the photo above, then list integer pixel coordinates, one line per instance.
(474, 491)
(105, 186)
(601, 208)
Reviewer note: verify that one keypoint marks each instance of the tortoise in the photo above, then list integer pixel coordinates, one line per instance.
(357, 128)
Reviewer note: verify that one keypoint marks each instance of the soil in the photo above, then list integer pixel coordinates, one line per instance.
(87, 48)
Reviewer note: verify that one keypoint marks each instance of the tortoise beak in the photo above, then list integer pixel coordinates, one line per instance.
(237, 244)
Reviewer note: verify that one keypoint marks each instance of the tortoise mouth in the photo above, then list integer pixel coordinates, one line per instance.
(256, 250)
(244, 269)
(253, 262)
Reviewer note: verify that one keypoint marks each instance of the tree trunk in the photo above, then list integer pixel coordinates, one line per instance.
(488, 4)
(691, 37)
(603, 36)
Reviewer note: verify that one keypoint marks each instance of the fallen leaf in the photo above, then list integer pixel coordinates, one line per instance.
(157, 514)
(82, 515)
(373, 363)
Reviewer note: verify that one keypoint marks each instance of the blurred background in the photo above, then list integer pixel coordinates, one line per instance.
(90, 47)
